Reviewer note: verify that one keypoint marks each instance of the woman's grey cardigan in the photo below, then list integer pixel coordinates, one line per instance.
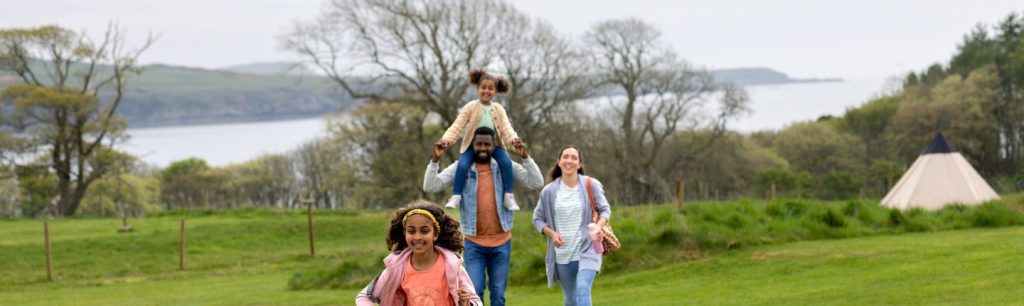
(544, 215)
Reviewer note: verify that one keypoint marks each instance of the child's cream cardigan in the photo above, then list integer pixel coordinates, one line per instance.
(469, 118)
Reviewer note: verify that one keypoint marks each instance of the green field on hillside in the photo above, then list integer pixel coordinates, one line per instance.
(671, 257)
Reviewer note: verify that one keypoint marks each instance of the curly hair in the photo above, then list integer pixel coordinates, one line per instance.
(501, 85)
(449, 235)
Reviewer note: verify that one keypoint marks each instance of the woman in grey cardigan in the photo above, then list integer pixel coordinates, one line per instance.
(563, 214)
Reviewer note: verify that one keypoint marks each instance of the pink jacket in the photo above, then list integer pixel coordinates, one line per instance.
(387, 285)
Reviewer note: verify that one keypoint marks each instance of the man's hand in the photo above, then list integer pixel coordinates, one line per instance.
(521, 149)
(517, 141)
(438, 151)
(443, 143)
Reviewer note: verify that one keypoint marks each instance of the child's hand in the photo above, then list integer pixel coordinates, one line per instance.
(464, 296)
(438, 151)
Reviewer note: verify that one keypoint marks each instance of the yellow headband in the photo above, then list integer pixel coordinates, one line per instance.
(421, 212)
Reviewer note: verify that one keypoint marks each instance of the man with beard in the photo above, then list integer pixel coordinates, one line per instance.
(486, 223)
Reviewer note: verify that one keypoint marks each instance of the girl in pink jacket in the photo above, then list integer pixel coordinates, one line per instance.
(424, 267)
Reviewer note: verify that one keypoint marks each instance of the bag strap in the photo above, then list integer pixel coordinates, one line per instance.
(593, 203)
(369, 289)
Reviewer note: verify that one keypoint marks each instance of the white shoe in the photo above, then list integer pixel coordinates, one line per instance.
(454, 201)
(510, 202)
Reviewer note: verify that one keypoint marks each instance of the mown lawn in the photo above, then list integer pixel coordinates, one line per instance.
(738, 253)
(966, 267)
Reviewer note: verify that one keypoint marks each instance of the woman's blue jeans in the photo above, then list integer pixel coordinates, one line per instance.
(576, 283)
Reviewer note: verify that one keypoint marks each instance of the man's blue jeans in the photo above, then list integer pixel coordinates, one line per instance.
(576, 283)
(493, 263)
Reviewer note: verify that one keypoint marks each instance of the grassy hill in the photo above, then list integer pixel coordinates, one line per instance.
(743, 252)
(167, 95)
(271, 68)
(175, 95)
(761, 76)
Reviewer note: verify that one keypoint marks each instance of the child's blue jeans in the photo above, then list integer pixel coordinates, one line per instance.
(466, 160)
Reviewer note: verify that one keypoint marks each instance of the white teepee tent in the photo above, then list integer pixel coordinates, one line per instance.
(938, 177)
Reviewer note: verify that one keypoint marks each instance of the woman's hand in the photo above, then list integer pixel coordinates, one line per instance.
(555, 236)
(595, 228)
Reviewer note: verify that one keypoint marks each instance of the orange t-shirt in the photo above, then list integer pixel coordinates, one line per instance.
(488, 226)
(428, 288)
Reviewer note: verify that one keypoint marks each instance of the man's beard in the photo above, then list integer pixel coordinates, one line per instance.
(484, 159)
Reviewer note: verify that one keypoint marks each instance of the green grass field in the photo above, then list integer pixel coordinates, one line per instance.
(248, 257)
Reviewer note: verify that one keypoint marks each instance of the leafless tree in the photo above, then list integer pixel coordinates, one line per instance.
(548, 73)
(655, 95)
(410, 51)
(315, 161)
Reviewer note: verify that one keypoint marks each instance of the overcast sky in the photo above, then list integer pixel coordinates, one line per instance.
(849, 39)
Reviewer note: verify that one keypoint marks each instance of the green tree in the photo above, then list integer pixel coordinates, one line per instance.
(11, 148)
(268, 180)
(962, 108)
(37, 187)
(123, 193)
(839, 184)
(384, 144)
(71, 88)
(883, 175)
(729, 173)
(976, 50)
(323, 171)
(183, 185)
(870, 122)
(819, 148)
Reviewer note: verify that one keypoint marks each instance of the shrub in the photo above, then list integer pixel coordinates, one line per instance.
(349, 274)
(668, 237)
(664, 216)
(737, 221)
(832, 218)
(994, 214)
(786, 209)
(896, 217)
(918, 223)
(853, 208)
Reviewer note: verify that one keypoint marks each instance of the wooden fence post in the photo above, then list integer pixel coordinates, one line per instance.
(46, 239)
(181, 248)
(679, 194)
(309, 226)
